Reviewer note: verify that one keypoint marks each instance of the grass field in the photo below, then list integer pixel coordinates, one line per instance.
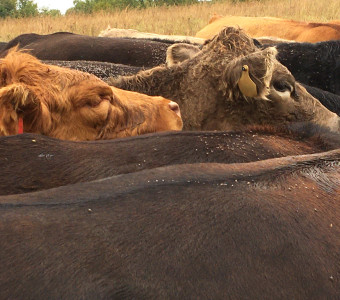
(184, 20)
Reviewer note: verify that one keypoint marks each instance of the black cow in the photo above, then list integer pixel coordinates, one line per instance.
(315, 64)
(24, 39)
(103, 70)
(329, 100)
(69, 46)
(259, 230)
(3, 45)
(31, 162)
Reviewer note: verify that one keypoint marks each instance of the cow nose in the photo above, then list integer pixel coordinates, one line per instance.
(175, 108)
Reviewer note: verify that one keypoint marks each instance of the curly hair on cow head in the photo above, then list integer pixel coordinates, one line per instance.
(233, 40)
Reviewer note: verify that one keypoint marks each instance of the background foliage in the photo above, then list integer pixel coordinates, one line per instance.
(168, 19)
(90, 6)
(28, 8)
(23, 9)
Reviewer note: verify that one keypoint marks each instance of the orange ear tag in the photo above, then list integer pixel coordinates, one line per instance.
(20, 126)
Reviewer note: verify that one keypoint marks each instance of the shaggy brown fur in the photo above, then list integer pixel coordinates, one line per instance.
(276, 27)
(74, 105)
(205, 87)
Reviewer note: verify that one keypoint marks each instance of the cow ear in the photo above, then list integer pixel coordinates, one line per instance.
(12, 99)
(180, 52)
(251, 74)
(90, 93)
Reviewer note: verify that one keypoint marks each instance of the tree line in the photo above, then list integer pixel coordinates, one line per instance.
(23, 8)
(89, 6)
(28, 8)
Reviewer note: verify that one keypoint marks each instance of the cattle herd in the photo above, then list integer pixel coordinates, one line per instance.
(144, 166)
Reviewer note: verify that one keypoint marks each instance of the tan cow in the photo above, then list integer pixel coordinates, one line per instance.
(74, 105)
(132, 33)
(281, 28)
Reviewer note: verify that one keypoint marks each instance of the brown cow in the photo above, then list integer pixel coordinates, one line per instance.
(51, 162)
(259, 230)
(73, 105)
(207, 87)
(281, 28)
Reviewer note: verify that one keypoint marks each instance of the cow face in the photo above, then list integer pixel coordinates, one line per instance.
(73, 105)
(248, 84)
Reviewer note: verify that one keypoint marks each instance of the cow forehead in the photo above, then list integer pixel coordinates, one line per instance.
(233, 39)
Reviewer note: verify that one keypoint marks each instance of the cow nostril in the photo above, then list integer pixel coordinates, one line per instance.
(175, 108)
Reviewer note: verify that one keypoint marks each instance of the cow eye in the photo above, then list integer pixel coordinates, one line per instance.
(282, 86)
(97, 100)
(92, 103)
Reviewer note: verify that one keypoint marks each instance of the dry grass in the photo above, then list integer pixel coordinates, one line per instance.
(185, 20)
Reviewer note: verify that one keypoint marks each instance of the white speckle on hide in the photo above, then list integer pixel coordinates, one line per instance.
(47, 156)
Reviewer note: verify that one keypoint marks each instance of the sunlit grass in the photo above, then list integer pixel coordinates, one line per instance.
(184, 20)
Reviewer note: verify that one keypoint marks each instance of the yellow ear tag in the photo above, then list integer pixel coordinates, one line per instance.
(246, 85)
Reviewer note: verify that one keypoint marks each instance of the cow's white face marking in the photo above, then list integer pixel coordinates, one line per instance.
(286, 95)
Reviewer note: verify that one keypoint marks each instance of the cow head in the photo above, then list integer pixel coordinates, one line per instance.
(232, 68)
(73, 105)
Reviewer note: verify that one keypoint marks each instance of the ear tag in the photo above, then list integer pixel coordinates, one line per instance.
(20, 126)
(246, 85)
